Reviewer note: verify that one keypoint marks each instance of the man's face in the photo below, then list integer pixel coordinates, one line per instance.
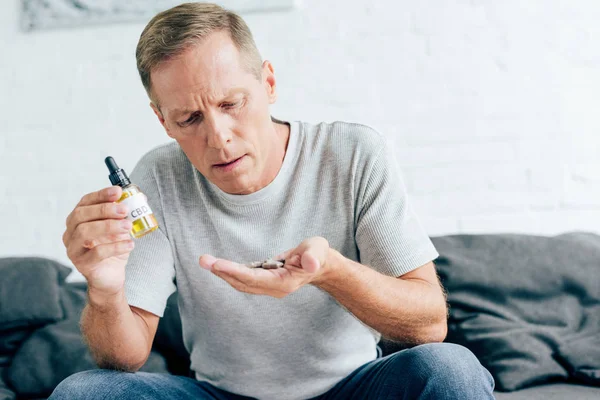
(218, 112)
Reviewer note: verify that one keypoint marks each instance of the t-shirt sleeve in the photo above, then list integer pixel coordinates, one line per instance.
(389, 236)
(150, 270)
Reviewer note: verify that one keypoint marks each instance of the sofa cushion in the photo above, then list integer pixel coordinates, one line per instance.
(58, 350)
(10, 340)
(6, 393)
(555, 391)
(26, 280)
(527, 306)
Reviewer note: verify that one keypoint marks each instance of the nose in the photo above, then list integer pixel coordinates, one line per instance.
(218, 130)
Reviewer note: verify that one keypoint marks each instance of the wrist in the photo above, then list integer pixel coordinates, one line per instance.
(103, 301)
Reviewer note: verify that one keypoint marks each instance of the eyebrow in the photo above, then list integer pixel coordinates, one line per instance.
(180, 113)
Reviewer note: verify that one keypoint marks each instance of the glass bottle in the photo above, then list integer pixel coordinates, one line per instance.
(138, 210)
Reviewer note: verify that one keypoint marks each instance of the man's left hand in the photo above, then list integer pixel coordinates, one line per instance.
(304, 264)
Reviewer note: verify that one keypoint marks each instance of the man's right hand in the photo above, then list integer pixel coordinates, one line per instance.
(98, 241)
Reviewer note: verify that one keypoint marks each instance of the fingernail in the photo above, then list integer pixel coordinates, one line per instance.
(130, 244)
(126, 224)
(207, 261)
(122, 209)
(113, 191)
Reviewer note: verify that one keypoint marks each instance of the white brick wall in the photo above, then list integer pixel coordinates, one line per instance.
(492, 106)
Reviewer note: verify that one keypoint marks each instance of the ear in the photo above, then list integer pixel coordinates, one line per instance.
(268, 74)
(160, 117)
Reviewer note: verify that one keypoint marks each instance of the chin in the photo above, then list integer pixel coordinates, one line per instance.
(233, 186)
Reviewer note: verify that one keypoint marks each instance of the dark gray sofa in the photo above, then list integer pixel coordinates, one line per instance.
(527, 306)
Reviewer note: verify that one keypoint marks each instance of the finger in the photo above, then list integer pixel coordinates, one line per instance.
(109, 194)
(78, 253)
(294, 261)
(96, 212)
(111, 238)
(206, 261)
(249, 280)
(235, 283)
(90, 244)
(210, 263)
(91, 234)
(106, 195)
(277, 282)
(244, 287)
(104, 251)
(310, 263)
(312, 243)
(235, 269)
(251, 277)
(314, 252)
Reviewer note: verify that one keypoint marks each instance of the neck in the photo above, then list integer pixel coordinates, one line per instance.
(281, 132)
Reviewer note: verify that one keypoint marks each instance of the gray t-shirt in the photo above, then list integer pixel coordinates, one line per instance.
(338, 181)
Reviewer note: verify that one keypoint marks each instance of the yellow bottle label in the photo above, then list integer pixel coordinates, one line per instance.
(137, 206)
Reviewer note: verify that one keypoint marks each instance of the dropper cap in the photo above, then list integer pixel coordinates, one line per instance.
(117, 175)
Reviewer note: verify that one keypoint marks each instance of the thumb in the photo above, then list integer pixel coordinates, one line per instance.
(309, 262)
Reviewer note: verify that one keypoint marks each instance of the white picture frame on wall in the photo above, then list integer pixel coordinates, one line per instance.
(48, 14)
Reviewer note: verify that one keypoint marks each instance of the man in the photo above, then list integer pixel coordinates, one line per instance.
(238, 186)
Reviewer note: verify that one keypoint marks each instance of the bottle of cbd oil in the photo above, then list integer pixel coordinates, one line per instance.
(139, 212)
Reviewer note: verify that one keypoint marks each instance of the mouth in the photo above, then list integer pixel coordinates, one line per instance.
(229, 166)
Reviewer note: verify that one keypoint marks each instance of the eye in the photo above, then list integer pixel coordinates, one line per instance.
(193, 118)
(229, 105)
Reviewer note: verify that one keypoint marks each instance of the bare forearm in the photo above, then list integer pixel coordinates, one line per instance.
(114, 333)
(410, 311)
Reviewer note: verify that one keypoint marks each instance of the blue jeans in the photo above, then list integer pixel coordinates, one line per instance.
(430, 371)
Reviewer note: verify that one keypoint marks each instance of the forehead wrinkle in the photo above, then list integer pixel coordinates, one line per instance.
(215, 96)
(199, 101)
(202, 75)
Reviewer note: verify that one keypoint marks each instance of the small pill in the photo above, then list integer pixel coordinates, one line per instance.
(255, 264)
(272, 265)
(266, 264)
